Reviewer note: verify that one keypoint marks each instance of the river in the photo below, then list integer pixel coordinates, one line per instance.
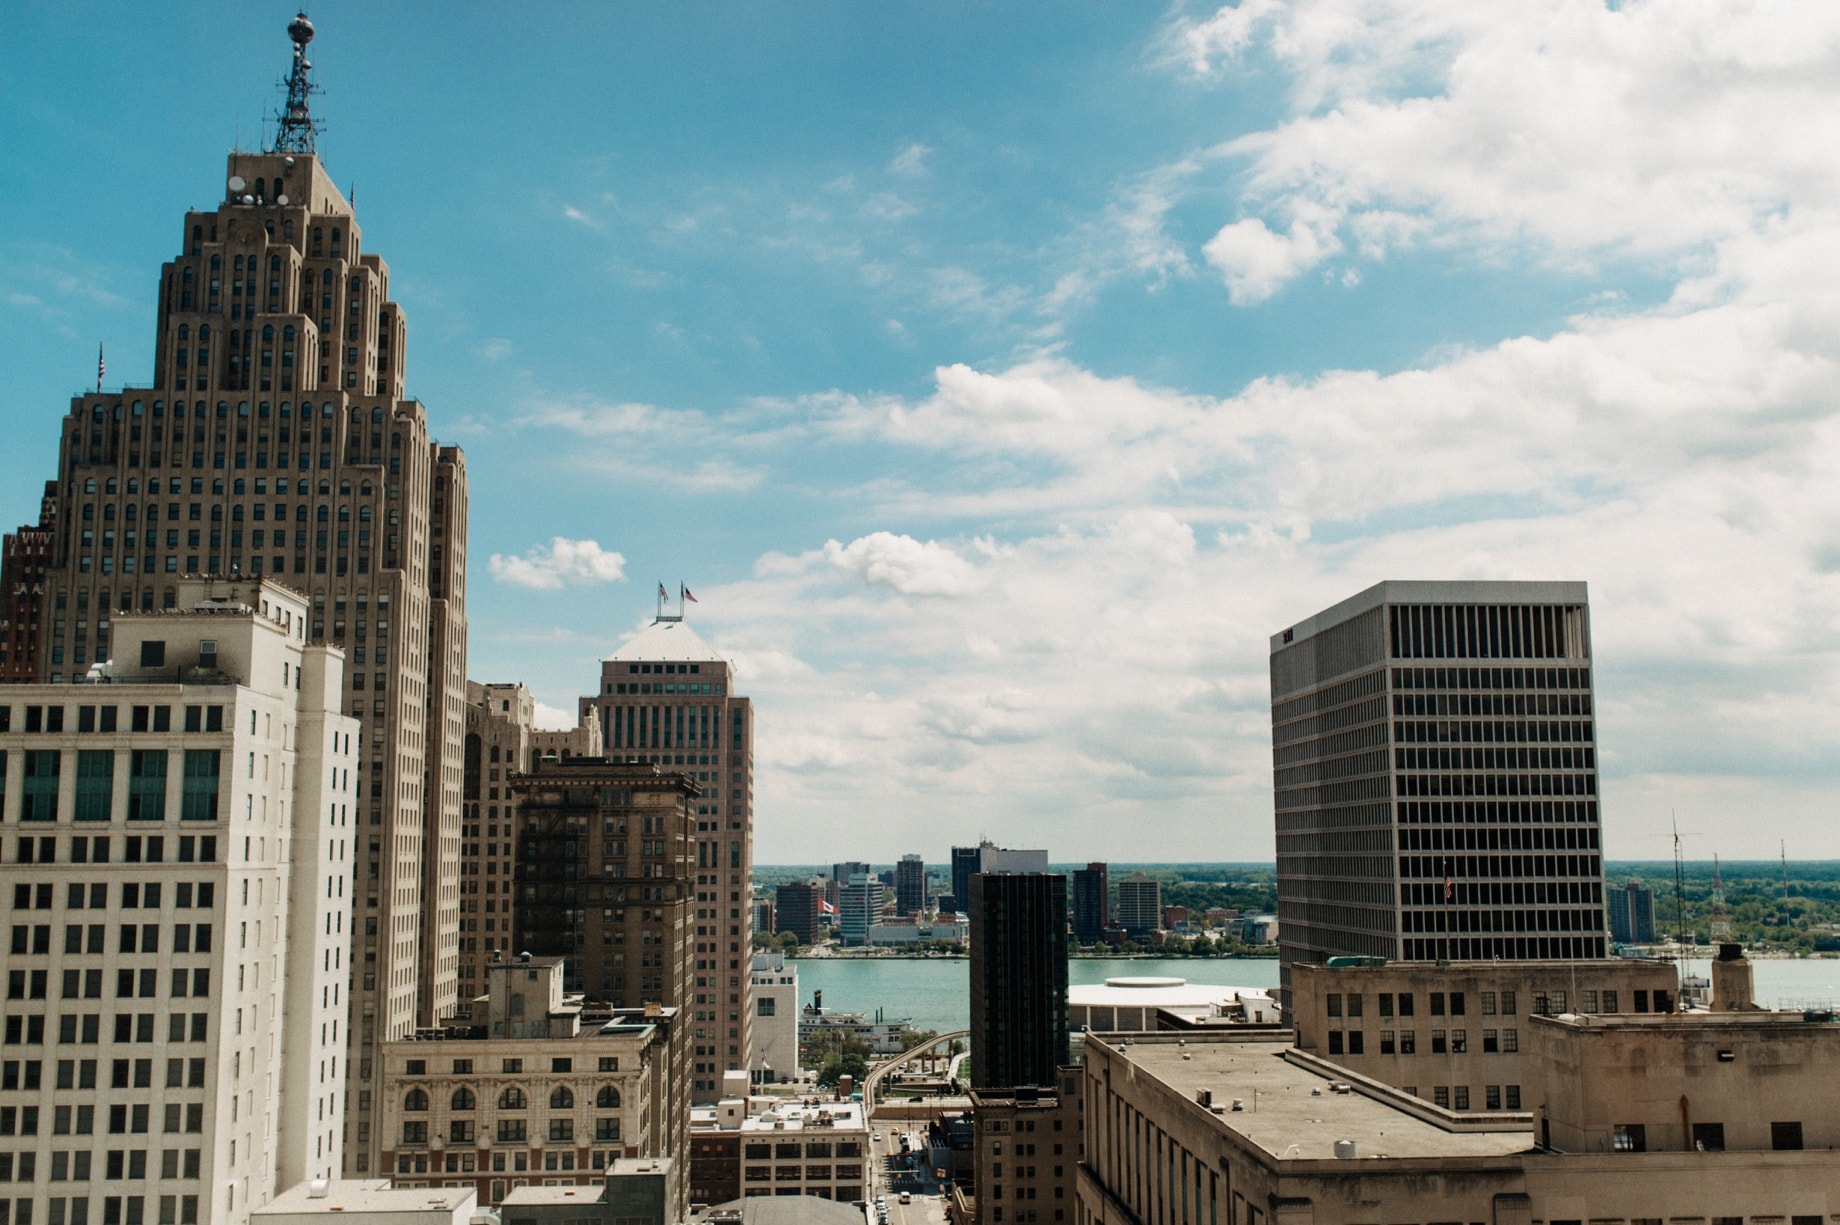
(934, 993)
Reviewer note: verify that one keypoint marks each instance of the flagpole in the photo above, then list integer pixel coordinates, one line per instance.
(100, 367)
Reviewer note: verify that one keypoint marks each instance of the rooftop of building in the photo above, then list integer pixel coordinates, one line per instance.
(1294, 1112)
(1462, 591)
(1692, 1023)
(665, 640)
(1379, 965)
(808, 1116)
(348, 1196)
(783, 1210)
(1146, 992)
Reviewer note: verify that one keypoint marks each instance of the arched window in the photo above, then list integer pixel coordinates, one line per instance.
(268, 332)
(185, 331)
(287, 333)
(415, 1100)
(463, 1099)
(324, 514)
(344, 514)
(561, 1099)
(608, 1098)
(364, 514)
(512, 1099)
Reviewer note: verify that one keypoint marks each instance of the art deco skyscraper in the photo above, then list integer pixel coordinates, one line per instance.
(1435, 767)
(276, 440)
(668, 698)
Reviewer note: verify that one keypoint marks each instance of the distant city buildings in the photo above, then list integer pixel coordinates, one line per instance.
(859, 906)
(910, 885)
(1140, 906)
(1018, 978)
(1632, 914)
(25, 553)
(1091, 904)
(1435, 776)
(799, 908)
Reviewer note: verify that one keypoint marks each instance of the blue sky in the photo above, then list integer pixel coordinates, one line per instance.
(1001, 376)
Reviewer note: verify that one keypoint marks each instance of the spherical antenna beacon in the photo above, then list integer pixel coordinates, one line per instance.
(300, 30)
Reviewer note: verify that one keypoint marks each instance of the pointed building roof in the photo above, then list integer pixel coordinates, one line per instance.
(667, 641)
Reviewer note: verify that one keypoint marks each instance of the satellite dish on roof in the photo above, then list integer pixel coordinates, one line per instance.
(237, 184)
(281, 200)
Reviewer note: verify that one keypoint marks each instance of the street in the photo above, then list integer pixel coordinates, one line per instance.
(896, 1172)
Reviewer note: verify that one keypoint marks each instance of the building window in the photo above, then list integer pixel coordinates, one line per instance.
(1439, 1044)
(198, 801)
(95, 784)
(1785, 1136)
(1629, 1138)
(1440, 1096)
(39, 794)
(1491, 1097)
(147, 785)
(1513, 1093)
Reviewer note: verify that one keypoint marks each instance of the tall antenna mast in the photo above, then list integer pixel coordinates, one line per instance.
(1783, 850)
(1680, 891)
(1720, 925)
(294, 127)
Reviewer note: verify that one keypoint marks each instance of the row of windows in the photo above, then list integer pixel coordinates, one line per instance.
(508, 1131)
(136, 408)
(85, 1029)
(35, 940)
(100, 718)
(1491, 678)
(607, 1097)
(136, 848)
(1443, 1042)
(93, 797)
(81, 1074)
(116, 1209)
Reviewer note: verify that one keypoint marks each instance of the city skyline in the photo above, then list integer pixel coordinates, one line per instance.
(997, 404)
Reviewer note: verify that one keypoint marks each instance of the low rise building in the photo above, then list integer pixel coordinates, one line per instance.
(1027, 1150)
(776, 1018)
(900, 935)
(536, 1091)
(1456, 1034)
(1149, 1003)
(813, 1148)
(366, 1201)
(1636, 1119)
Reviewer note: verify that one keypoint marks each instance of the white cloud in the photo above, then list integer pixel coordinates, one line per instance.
(1257, 262)
(495, 348)
(910, 163)
(561, 563)
(907, 565)
(554, 719)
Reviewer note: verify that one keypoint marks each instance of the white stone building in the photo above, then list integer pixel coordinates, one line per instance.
(177, 844)
(776, 1018)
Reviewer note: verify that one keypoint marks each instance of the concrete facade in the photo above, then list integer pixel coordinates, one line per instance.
(1242, 1129)
(1027, 1150)
(183, 844)
(1460, 1035)
(541, 1090)
(776, 1017)
(667, 698)
(1435, 772)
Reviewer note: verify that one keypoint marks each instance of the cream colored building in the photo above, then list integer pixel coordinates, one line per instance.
(1458, 1035)
(178, 864)
(535, 1091)
(819, 1149)
(1240, 1128)
(277, 438)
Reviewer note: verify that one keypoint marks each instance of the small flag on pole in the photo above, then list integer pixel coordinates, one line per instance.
(687, 595)
(1450, 889)
(662, 593)
(101, 366)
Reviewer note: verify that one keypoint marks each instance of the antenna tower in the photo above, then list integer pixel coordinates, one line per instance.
(294, 126)
(1720, 925)
(1680, 892)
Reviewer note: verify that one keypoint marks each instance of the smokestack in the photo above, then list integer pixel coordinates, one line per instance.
(1733, 986)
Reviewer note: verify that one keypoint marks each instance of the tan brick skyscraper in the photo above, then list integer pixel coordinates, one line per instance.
(668, 698)
(276, 440)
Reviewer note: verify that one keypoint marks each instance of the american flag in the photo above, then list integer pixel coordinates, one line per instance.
(102, 367)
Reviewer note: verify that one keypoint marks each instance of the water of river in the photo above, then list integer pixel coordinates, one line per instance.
(934, 994)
